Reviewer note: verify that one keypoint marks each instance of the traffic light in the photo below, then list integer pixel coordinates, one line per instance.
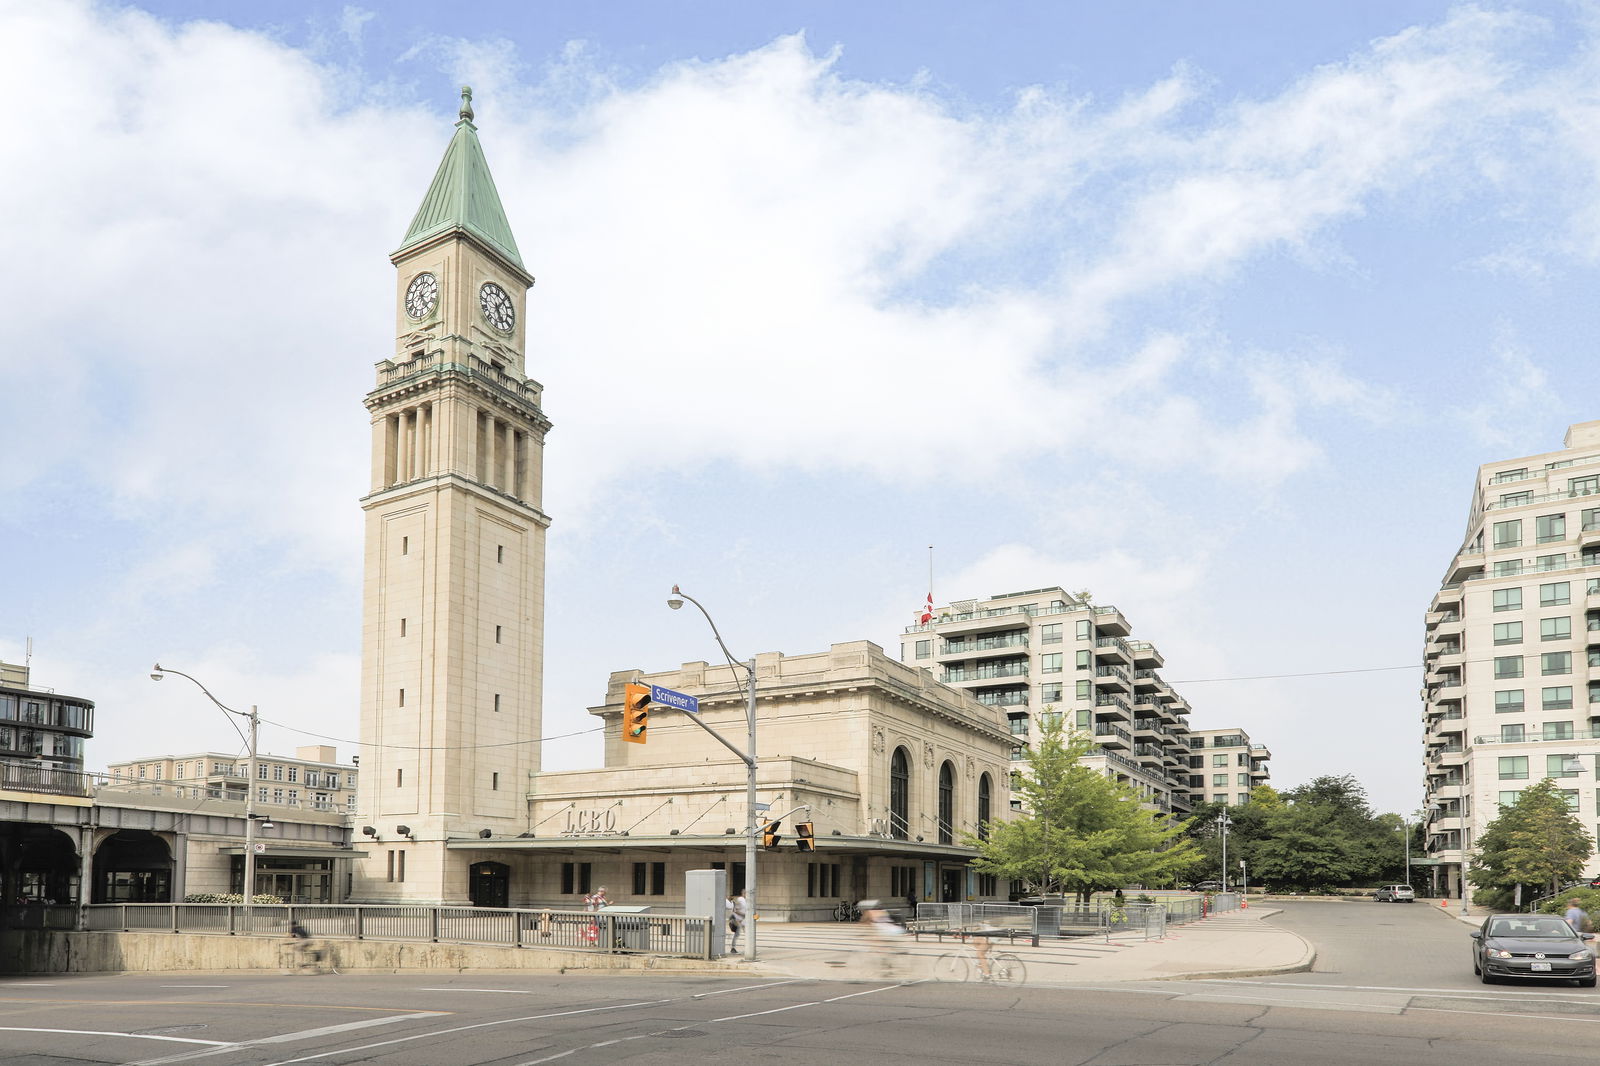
(805, 837)
(769, 835)
(635, 713)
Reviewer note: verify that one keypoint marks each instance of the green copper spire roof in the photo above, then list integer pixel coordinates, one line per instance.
(463, 195)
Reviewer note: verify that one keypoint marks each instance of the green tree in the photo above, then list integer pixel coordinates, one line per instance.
(1080, 831)
(1537, 841)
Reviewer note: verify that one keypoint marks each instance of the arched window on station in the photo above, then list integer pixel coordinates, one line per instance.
(900, 795)
(985, 805)
(947, 803)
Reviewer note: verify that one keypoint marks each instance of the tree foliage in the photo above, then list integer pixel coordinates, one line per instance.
(1080, 831)
(1313, 837)
(1537, 841)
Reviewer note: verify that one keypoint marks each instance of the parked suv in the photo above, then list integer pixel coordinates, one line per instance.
(1395, 894)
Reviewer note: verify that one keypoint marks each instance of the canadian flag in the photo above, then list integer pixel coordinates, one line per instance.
(927, 611)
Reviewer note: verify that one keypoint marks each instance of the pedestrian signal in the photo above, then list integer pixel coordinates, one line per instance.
(769, 835)
(635, 713)
(805, 837)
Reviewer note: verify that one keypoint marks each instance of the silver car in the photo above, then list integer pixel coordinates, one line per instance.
(1539, 947)
(1395, 894)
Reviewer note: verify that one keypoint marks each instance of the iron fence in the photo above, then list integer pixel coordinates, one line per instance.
(683, 936)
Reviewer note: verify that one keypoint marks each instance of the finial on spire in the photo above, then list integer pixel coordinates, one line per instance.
(466, 102)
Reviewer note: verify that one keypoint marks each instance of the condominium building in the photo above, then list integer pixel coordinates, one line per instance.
(1512, 649)
(1226, 765)
(313, 778)
(1047, 652)
(42, 735)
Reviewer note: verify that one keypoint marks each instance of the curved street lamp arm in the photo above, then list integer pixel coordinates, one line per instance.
(676, 591)
(159, 669)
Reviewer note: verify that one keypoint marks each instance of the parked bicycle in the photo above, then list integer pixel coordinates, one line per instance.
(967, 964)
(846, 912)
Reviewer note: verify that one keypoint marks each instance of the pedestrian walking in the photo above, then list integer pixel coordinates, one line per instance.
(738, 912)
(597, 899)
(1577, 917)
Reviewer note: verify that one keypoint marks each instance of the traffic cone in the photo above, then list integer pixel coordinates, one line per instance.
(1443, 904)
(1244, 904)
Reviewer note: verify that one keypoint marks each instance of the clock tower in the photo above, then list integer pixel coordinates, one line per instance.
(452, 666)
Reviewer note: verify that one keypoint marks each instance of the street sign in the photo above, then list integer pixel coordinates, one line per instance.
(677, 700)
(763, 806)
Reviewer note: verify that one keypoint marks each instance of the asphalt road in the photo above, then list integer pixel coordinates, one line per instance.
(1394, 986)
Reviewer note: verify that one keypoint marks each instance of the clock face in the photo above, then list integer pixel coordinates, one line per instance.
(422, 295)
(496, 304)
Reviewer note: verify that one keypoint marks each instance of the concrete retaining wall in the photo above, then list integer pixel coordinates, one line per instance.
(46, 951)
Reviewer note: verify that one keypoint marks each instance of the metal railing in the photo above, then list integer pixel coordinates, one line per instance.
(570, 930)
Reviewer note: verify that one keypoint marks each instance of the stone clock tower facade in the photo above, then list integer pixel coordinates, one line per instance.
(453, 603)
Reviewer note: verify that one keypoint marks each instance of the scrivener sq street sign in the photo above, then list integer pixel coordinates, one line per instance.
(680, 701)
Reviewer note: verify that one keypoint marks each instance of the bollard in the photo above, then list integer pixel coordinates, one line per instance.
(1244, 904)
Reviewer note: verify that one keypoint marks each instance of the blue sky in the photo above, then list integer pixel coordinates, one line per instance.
(1212, 309)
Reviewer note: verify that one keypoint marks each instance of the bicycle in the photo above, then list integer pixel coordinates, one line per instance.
(1004, 967)
(846, 912)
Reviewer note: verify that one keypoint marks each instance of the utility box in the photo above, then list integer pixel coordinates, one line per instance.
(632, 934)
(705, 892)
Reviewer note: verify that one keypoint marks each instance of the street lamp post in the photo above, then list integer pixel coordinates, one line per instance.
(1224, 822)
(156, 674)
(675, 601)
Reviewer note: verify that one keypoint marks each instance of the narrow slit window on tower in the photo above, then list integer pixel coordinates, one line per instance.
(494, 782)
(499, 553)
(497, 703)
(402, 627)
(399, 779)
(405, 545)
(497, 634)
(402, 697)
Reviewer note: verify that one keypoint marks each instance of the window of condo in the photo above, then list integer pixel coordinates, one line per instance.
(1219, 760)
(1051, 663)
(1555, 594)
(1508, 568)
(1590, 517)
(924, 649)
(1550, 562)
(1584, 486)
(1571, 796)
(1550, 528)
(1050, 634)
(1555, 628)
(1082, 660)
(1050, 692)
(1507, 599)
(1512, 733)
(1513, 767)
(1509, 475)
(1555, 662)
(1508, 632)
(1512, 499)
(1219, 780)
(1556, 698)
(1559, 765)
(1085, 629)
(1508, 534)
(1085, 690)
(1508, 700)
(1507, 666)
(1509, 799)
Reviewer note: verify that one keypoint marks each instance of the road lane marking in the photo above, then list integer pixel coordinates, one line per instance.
(1354, 1008)
(696, 1025)
(1512, 1014)
(747, 988)
(463, 1029)
(192, 986)
(1412, 991)
(101, 1032)
(303, 1034)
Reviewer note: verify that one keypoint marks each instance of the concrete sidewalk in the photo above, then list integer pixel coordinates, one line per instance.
(1236, 944)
